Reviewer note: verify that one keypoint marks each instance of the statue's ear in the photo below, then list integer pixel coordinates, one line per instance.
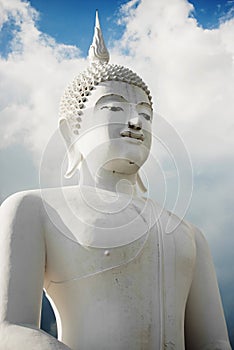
(140, 183)
(74, 155)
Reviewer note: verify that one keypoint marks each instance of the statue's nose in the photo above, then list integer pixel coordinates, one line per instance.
(135, 123)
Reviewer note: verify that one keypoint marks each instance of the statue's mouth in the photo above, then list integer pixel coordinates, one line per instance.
(132, 135)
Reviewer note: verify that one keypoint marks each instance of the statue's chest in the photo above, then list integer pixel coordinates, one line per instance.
(101, 220)
(108, 222)
(71, 261)
(99, 236)
(121, 288)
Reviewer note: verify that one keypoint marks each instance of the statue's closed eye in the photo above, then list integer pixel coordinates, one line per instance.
(146, 116)
(113, 108)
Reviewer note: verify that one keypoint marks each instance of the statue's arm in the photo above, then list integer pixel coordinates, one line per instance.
(22, 265)
(205, 326)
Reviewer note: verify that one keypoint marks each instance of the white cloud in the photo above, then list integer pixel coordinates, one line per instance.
(19, 10)
(33, 77)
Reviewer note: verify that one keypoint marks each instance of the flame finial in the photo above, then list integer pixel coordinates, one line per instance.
(98, 51)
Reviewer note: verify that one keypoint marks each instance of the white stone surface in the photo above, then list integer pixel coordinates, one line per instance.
(116, 278)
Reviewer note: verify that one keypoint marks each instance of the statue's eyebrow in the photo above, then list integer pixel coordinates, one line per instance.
(110, 98)
(145, 104)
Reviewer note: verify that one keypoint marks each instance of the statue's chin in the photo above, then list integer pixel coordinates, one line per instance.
(123, 166)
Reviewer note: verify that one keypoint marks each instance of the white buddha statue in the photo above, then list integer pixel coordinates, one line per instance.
(116, 279)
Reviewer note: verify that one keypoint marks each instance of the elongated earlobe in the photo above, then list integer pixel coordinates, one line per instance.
(140, 183)
(73, 162)
(74, 155)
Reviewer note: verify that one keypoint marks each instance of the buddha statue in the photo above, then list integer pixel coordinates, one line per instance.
(117, 280)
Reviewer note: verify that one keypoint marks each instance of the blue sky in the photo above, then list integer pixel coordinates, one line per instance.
(69, 22)
(54, 15)
(190, 58)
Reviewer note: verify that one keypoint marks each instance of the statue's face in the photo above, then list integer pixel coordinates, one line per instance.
(115, 131)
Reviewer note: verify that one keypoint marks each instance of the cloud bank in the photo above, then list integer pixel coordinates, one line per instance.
(33, 75)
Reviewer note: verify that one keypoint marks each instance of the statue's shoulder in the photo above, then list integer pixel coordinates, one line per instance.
(39, 196)
(173, 224)
(20, 212)
(21, 208)
(22, 197)
(56, 198)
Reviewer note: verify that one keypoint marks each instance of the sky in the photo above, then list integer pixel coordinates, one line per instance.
(184, 50)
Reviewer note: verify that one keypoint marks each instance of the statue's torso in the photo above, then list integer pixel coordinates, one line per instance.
(126, 293)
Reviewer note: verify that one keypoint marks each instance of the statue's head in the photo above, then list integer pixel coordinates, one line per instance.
(106, 115)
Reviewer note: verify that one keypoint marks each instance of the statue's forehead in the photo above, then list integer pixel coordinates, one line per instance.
(129, 92)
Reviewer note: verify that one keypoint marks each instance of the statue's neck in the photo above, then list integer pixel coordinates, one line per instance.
(108, 180)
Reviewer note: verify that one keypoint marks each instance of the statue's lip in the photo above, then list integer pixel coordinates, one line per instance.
(132, 134)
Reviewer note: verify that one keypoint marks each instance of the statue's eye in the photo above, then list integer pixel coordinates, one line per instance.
(113, 108)
(146, 116)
